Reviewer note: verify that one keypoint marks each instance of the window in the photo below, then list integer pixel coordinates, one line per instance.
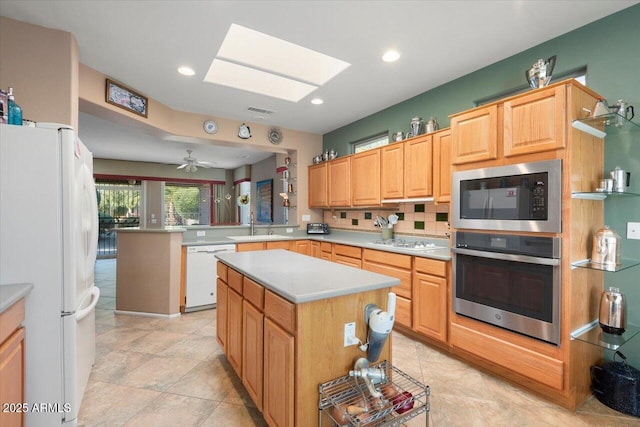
(187, 204)
(371, 142)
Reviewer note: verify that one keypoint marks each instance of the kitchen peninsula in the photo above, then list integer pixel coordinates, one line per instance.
(280, 322)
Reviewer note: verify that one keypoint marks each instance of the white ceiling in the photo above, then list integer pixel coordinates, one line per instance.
(142, 43)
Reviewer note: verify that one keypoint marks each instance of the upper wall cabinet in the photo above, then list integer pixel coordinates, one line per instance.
(442, 166)
(418, 167)
(535, 122)
(365, 178)
(339, 181)
(318, 186)
(475, 135)
(392, 173)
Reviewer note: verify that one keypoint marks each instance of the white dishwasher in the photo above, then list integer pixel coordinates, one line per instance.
(201, 277)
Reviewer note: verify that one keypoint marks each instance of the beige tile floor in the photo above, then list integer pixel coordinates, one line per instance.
(156, 372)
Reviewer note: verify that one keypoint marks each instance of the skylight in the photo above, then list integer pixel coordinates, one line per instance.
(291, 65)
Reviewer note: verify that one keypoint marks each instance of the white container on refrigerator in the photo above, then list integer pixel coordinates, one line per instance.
(48, 223)
(200, 292)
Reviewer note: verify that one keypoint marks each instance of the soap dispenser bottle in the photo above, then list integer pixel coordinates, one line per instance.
(14, 110)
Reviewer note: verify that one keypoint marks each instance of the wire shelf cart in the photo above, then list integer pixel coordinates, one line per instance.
(347, 401)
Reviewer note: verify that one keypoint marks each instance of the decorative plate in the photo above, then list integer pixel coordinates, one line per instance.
(244, 132)
(275, 136)
(210, 126)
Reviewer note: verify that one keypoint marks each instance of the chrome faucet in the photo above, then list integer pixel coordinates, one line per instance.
(252, 226)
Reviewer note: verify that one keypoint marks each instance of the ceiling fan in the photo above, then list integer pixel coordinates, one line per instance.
(191, 164)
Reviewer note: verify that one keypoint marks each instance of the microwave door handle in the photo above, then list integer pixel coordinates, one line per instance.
(507, 257)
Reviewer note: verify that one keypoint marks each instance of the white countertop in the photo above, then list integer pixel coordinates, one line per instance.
(300, 278)
(10, 294)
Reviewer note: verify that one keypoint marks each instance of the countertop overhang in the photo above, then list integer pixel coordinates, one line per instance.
(301, 278)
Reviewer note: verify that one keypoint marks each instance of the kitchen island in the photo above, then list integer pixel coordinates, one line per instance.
(280, 322)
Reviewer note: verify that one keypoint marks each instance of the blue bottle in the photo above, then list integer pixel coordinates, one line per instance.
(14, 110)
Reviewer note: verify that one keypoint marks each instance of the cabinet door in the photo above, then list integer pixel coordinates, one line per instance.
(12, 377)
(535, 122)
(318, 190)
(253, 246)
(392, 171)
(418, 167)
(365, 178)
(442, 166)
(475, 135)
(304, 247)
(279, 380)
(252, 356)
(221, 314)
(280, 244)
(339, 178)
(315, 249)
(234, 331)
(430, 306)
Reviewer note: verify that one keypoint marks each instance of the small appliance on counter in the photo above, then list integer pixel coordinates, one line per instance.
(317, 228)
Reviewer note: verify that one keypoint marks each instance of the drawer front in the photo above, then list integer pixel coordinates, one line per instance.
(11, 319)
(253, 292)
(404, 289)
(388, 258)
(325, 247)
(221, 271)
(535, 366)
(234, 280)
(431, 266)
(348, 251)
(280, 310)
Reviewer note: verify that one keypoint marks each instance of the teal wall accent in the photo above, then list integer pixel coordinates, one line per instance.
(610, 49)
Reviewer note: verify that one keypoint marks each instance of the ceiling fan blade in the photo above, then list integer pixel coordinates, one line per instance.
(181, 166)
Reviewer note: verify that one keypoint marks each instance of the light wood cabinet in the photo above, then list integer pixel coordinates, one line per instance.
(251, 246)
(318, 188)
(279, 381)
(442, 166)
(392, 171)
(12, 365)
(347, 255)
(535, 122)
(279, 244)
(252, 354)
(418, 167)
(339, 181)
(234, 331)
(222, 294)
(316, 252)
(430, 298)
(475, 135)
(303, 247)
(398, 266)
(365, 178)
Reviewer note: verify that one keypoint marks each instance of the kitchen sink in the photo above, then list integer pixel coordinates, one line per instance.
(258, 237)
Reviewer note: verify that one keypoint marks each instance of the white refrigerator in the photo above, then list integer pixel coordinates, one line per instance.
(49, 233)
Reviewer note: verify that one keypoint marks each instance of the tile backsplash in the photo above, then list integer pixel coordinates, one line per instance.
(421, 219)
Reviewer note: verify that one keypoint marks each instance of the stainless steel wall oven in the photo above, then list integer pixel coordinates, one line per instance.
(511, 281)
(519, 197)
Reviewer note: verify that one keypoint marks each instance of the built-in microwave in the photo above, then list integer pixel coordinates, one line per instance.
(519, 197)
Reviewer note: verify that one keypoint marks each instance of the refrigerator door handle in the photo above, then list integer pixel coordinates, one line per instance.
(95, 296)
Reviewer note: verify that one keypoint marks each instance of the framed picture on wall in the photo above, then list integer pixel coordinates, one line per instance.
(125, 98)
(264, 200)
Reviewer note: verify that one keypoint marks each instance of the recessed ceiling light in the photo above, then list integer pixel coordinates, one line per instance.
(186, 71)
(245, 78)
(391, 56)
(317, 101)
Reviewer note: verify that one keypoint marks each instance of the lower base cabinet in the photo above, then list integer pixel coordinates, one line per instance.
(430, 298)
(234, 331)
(253, 333)
(12, 353)
(279, 379)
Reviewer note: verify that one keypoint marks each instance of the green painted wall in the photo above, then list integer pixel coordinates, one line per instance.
(610, 49)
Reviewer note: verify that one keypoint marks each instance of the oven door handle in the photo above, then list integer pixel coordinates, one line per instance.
(507, 257)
